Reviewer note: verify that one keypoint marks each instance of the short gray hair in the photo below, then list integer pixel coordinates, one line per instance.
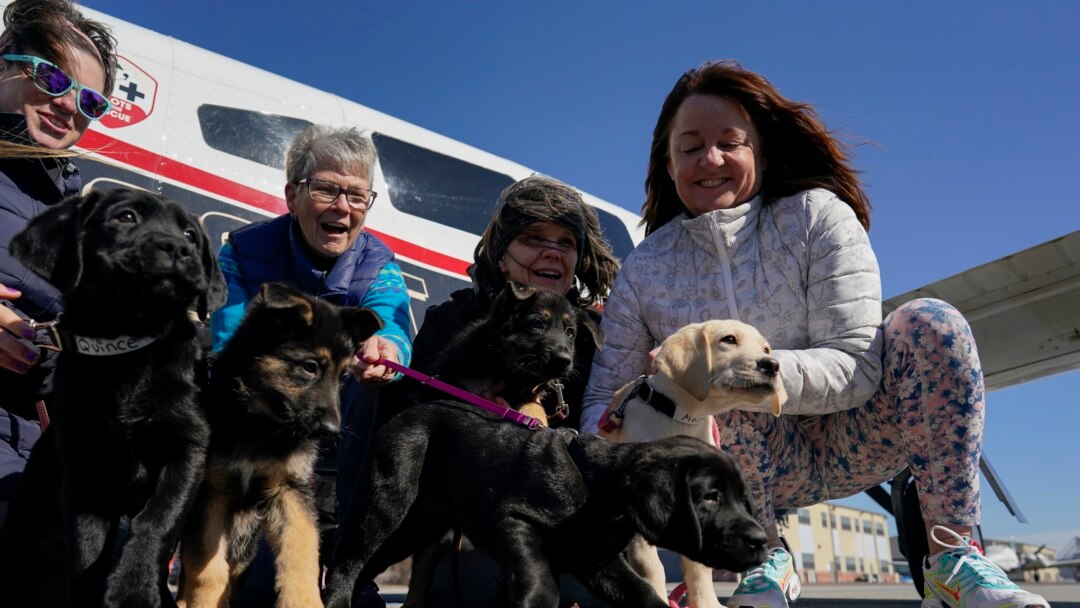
(320, 148)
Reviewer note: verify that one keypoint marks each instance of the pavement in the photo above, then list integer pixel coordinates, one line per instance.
(853, 595)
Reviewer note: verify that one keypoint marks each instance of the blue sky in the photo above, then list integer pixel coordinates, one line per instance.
(963, 117)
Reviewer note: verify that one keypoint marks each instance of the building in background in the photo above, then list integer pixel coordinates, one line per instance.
(838, 544)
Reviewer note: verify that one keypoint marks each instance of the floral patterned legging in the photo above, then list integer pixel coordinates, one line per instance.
(927, 414)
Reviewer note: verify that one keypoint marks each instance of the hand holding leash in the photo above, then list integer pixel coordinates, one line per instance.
(366, 366)
(17, 351)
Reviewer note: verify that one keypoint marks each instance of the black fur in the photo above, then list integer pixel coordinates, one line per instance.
(128, 437)
(528, 340)
(542, 502)
(273, 395)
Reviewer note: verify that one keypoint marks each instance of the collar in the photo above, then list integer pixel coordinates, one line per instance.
(94, 347)
(660, 402)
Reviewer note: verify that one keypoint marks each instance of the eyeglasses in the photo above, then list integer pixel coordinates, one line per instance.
(327, 192)
(51, 80)
(537, 242)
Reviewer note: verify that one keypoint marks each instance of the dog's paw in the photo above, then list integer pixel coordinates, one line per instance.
(132, 595)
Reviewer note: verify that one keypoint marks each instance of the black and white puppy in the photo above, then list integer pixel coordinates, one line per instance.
(128, 436)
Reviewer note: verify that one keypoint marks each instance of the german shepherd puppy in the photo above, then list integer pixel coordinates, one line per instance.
(518, 351)
(273, 395)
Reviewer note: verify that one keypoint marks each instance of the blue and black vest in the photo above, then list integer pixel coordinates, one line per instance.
(275, 251)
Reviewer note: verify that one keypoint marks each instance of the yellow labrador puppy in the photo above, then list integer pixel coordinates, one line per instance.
(701, 370)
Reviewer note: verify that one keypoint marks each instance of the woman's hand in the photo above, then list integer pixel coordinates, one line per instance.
(17, 352)
(363, 366)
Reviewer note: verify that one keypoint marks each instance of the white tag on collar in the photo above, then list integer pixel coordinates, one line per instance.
(107, 347)
(684, 417)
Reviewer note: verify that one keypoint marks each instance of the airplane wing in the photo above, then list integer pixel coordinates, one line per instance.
(1024, 310)
(1065, 563)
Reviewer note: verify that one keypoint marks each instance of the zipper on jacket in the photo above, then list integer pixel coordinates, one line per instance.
(725, 263)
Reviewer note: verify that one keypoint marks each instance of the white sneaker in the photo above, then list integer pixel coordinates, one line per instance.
(962, 577)
(770, 585)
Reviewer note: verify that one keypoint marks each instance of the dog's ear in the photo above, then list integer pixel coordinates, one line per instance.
(664, 509)
(285, 302)
(520, 291)
(591, 328)
(216, 290)
(686, 520)
(686, 358)
(360, 323)
(51, 244)
(512, 293)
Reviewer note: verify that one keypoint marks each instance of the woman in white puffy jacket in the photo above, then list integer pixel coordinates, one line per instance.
(753, 212)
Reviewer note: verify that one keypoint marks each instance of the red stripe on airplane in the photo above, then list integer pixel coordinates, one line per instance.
(146, 160)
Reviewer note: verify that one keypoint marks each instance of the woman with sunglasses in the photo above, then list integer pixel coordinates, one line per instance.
(57, 71)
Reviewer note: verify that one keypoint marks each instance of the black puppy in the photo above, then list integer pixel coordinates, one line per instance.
(273, 394)
(519, 350)
(529, 340)
(127, 430)
(541, 502)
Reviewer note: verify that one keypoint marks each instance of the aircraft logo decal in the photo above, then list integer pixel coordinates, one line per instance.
(133, 96)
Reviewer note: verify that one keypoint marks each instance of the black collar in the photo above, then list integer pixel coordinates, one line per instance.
(659, 401)
(645, 391)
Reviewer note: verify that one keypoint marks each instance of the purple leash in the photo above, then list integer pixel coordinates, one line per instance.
(527, 421)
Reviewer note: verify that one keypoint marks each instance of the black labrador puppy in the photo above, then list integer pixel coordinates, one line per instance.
(128, 437)
(542, 502)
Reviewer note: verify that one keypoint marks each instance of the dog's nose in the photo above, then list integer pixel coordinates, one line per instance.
(174, 248)
(330, 422)
(768, 366)
(755, 540)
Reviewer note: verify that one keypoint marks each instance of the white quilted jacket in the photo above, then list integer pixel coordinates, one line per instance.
(799, 269)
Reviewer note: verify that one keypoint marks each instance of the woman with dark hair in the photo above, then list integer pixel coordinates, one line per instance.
(543, 234)
(57, 69)
(754, 213)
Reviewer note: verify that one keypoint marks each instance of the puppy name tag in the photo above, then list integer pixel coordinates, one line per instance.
(681, 415)
(107, 347)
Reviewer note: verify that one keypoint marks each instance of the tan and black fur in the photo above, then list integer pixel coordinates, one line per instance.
(272, 396)
(514, 353)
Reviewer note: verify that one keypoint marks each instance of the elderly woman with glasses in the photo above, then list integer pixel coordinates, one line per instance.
(56, 73)
(321, 247)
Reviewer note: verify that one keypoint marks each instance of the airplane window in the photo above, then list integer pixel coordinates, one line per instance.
(437, 187)
(616, 234)
(451, 191)
(254, 136)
